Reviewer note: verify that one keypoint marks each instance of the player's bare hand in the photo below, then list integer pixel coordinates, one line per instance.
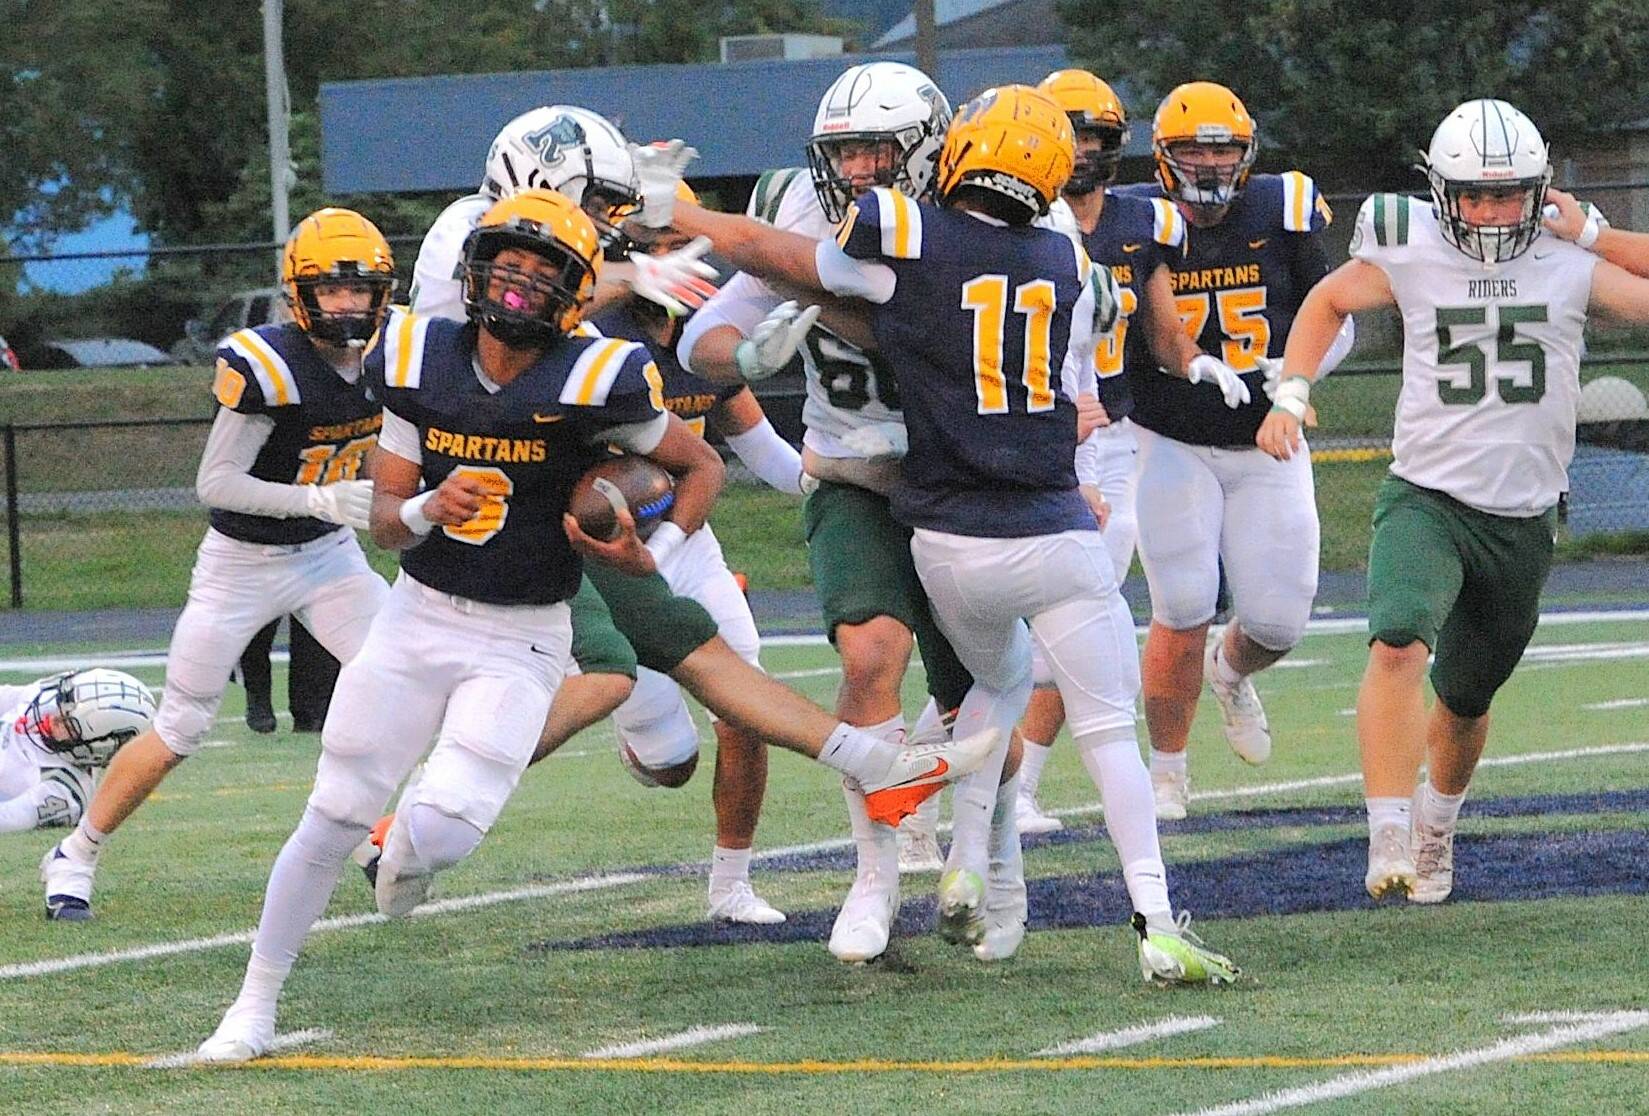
(1564, 218)
(1090, 415)
(1097, 504)
(625, 550)
(1279, 434)
(457, 500)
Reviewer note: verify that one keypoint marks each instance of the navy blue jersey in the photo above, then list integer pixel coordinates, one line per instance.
(689, 397)
(528, 442)
(1237, 288)
(324, 424)
(1132, 237)
(978, 326)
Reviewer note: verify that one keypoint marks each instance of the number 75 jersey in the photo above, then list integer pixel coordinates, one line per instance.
(1491, 359)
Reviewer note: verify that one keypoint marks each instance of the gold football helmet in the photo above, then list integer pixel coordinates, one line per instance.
(1097, 112)
(337, 247)
(501, 298)
(1204, 113)
(1012, 140)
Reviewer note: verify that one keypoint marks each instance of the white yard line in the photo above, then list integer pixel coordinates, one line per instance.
(693, 1036)
(624, 879)
(1364, 1081)
(1618, 703)
(282, 1042)
(1130, 1036)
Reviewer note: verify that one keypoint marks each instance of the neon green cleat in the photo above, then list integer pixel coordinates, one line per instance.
(1177, 956)
(962, 907)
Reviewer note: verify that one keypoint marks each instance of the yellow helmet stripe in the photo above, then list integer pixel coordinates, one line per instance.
(593, 373)
(280, 388)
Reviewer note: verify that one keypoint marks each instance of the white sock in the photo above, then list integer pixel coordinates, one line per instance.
(728, 867)
(1166, 763)
(859, 755)
(876, 845)
(301, 884)
(1112, 759)
(1222, 669)
(261, 989)
(1030, 768)
(84, 843)
(930, 727)
(1387, 811)
(1439, 810)
(973, 797)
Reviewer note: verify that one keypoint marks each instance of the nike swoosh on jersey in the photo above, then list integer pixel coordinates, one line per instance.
(1130, 247)
(536, 417)
(1260, 243)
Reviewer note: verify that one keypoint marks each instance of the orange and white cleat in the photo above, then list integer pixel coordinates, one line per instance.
(922, 771)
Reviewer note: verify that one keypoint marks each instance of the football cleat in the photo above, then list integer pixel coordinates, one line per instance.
(1030, 817)
(243, 1035)
(921, 771)
(1243, 717)
(862, 926)
(1390, 863)
(371, 850)
(962, 907)
(1174, 955)
(1433, 862)
(740, 903)
(1005, 911)
(68, 886)
(1172, 792)
(399, 886)
(918, 840)
(260, 719)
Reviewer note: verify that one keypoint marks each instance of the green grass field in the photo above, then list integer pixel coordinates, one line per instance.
(465, 1010)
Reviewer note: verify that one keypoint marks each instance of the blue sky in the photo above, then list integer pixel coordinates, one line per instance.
(73, 276)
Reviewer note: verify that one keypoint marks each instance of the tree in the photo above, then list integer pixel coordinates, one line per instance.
(1351, 91)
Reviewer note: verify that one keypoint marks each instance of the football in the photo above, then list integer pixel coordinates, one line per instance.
(625, 481)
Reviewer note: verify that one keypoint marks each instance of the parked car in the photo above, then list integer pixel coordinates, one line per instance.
(96, 352)
(241, 310)
(8, 359)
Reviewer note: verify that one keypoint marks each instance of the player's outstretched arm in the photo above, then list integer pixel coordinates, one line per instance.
(1354, 286)
(1627, 250)
(754, 246)
(1620, 294)
(750, 435)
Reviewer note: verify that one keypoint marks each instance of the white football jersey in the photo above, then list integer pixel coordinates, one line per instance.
(437, 289)
(846, 388)
(1491, 359)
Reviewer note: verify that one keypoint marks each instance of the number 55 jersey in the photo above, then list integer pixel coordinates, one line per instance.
(324, 424)
(1491, 359)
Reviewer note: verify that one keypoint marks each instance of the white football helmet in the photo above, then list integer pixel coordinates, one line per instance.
(568, 149)
(87, 715)
(1488, 145)
(877, 103)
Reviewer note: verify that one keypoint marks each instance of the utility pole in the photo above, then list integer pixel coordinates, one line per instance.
(927, 41)
(275, 96)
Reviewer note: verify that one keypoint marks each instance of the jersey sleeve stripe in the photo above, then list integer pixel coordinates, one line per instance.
(1297, 190)
(1401, 204)
(593, 373)
(280, 388)
(404, 351)
(1380, 220)
(901, 225)
(1166, 227)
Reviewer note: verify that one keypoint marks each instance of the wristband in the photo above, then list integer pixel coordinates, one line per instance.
(664, 540)
(1293, 395)
(1590, 231)
(412, 514)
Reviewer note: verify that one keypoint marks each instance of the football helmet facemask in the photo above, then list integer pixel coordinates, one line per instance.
(1488, 147)
(551, 226)
(1203, 112)
(1096, 112)
(88, 715)
(1014, 141)
(573, 151)
(893, 110)
(337, 247)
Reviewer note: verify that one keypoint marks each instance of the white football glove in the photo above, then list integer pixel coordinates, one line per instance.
(679, 281)
(773, 342)
(1215, 371)
(1107, 300)
(880, 439)
(658, 173)
(1273, 369)
(346, 502)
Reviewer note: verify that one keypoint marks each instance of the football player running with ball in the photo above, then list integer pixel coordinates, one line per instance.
(281, 475)
(992, 323)
(494, 423)
(1206, 494)
(1493, 313)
